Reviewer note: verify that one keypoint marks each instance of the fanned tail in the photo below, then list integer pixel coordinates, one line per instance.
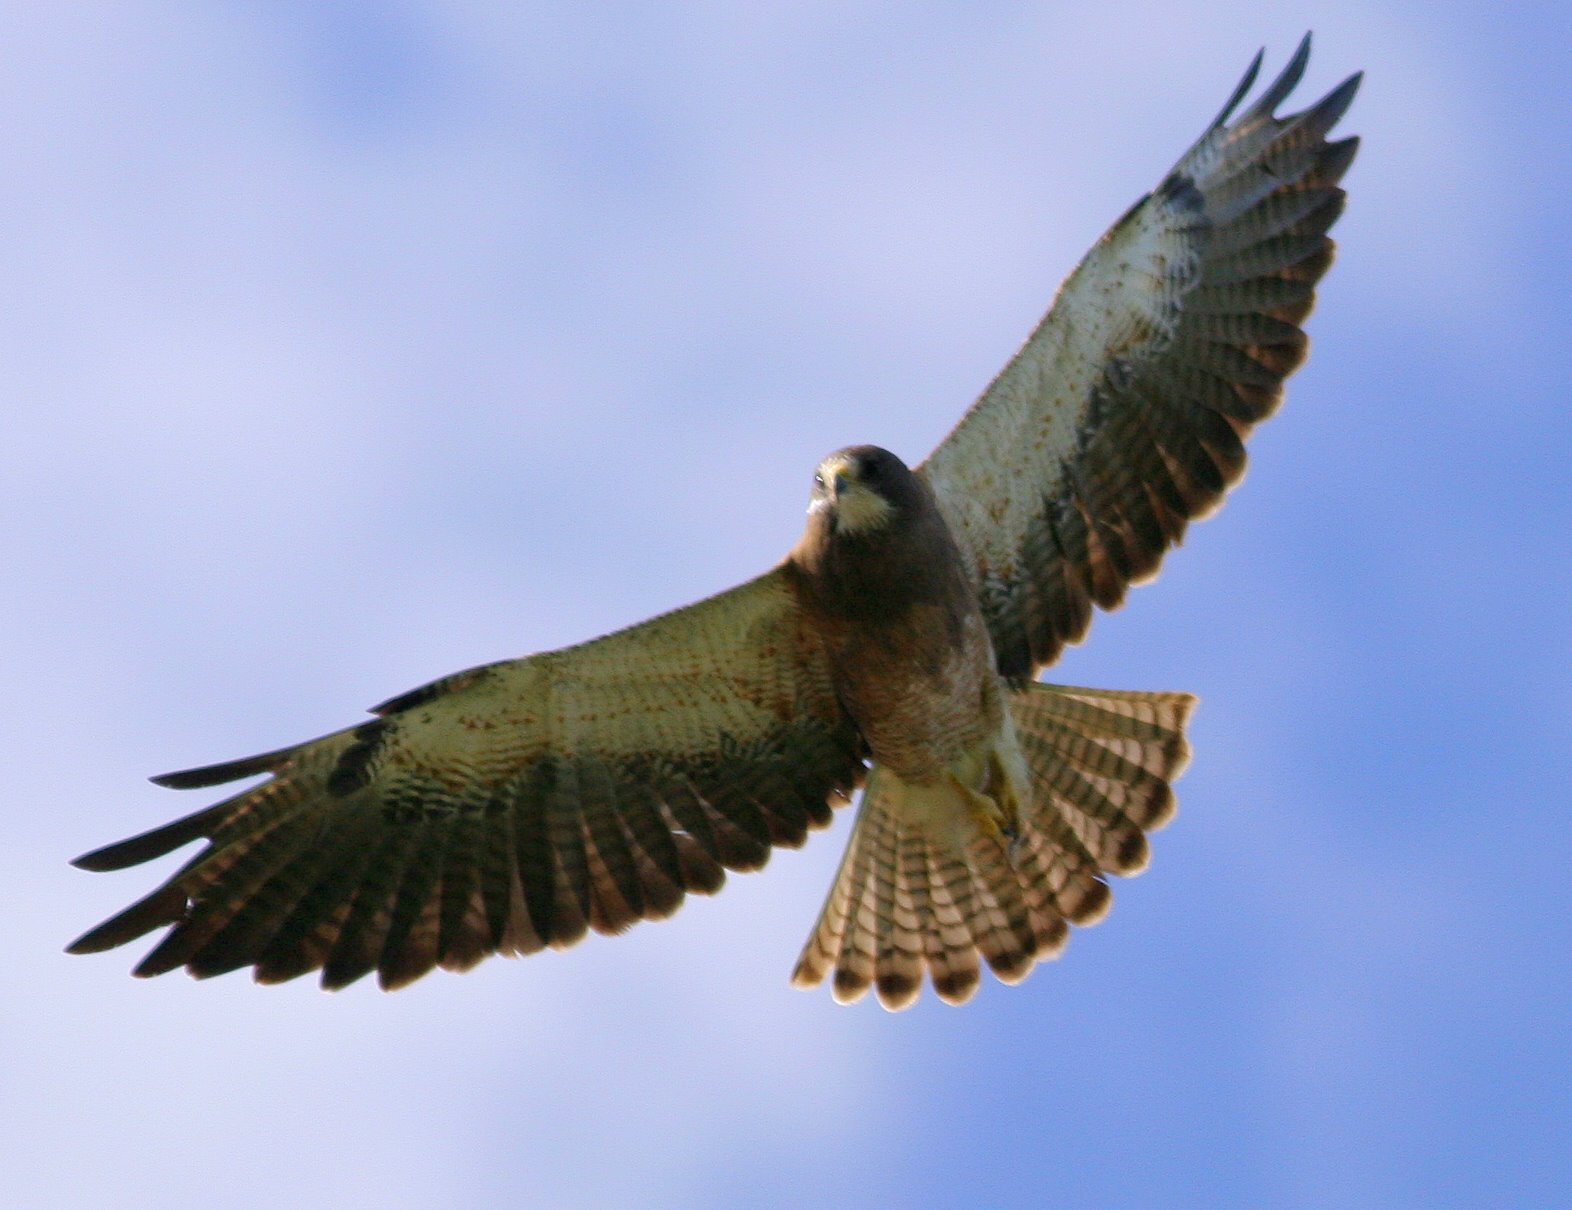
(920, 889)
(1103, 762)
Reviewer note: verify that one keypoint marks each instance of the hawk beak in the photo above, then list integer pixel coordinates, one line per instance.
(838, 474)
(852, 505)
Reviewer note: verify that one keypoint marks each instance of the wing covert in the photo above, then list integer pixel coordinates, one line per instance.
(1123, 416)
(510, 807)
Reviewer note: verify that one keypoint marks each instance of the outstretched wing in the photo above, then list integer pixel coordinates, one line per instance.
(510, 807)
(1123, 416)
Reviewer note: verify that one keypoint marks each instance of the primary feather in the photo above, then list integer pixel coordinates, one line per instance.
(510, 807)
(1123, 416)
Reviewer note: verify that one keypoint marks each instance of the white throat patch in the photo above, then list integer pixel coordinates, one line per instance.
(858, 508)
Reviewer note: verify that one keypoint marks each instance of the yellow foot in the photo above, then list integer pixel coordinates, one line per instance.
(995, 816)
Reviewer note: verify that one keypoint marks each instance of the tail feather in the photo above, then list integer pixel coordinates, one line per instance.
(1103, 761)
(899, 967)
(909, 896)
(1066, 870)
(1001, 926)
(951, 955)
(831, 945)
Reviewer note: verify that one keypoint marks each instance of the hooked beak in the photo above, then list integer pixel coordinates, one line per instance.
(837, 474)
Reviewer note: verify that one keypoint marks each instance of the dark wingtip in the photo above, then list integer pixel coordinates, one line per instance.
(216, 775)
(1240, 90)
(1329, 110)
(164, 906)
(1336, 159)
(86, 944)
(175, 781)
(156, 843)
(1288, 79)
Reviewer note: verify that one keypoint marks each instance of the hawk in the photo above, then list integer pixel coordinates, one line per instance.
(894, 650)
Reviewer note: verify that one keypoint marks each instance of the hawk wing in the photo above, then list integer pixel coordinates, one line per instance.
(510, 807)
(1123, 416)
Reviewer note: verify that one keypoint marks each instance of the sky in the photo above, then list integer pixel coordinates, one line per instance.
(352, 344)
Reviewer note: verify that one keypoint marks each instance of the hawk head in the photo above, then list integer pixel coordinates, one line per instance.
(861, 490)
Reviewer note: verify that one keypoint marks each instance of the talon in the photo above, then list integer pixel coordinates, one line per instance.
(998, 820)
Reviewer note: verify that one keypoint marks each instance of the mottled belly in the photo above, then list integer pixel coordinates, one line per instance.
(923, 697)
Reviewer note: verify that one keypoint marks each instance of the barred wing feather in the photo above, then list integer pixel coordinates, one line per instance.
(510, 807)
(1123, 416)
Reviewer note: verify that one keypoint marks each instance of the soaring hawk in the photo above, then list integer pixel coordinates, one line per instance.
(895, 649)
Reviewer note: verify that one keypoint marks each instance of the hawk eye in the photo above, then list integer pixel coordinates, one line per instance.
(818, 480)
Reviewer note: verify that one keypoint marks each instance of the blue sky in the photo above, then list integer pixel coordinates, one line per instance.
(354, 344)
